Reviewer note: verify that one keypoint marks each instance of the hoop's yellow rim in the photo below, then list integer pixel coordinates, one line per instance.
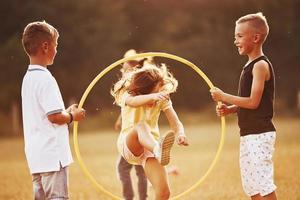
(105, 71)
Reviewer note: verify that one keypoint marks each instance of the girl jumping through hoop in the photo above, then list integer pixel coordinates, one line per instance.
(142, 95)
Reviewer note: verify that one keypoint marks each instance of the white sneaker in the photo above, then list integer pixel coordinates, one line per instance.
(165, 145)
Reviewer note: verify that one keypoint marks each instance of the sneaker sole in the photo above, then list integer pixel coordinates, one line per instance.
(167, 143)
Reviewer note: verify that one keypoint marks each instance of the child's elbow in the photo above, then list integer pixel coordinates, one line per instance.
(254, 105)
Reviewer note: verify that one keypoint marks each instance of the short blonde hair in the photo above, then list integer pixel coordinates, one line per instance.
(35, 34)
(258, 21)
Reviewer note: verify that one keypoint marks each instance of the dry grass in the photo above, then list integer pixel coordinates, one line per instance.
(99, 153)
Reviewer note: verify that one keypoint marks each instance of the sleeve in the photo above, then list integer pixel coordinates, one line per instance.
(166, 104)
(50, 97)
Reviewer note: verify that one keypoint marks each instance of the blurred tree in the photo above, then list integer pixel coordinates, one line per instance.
(95, 33)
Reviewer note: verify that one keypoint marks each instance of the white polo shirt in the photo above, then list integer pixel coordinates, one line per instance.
(46, 144)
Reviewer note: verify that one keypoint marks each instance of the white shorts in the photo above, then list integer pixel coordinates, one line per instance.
(256, 163)
(129, 156)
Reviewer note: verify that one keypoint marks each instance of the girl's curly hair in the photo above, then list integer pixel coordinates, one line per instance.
(143, 80)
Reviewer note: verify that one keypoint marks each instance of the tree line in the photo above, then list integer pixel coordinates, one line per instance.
(95, 33)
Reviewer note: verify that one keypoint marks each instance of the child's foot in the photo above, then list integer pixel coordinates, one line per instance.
(165, 145)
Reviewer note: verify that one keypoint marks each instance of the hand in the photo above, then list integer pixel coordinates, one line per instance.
(78, 114)
(72, 107)
(182, 140)
(217, 94)
(222, 110)
(160, 96)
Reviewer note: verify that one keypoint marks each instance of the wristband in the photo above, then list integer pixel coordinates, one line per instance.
(71, 118)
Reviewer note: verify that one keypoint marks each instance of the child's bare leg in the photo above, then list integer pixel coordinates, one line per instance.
(139, 138)
(157, 175)
(256, 197)
(145, 137)
(271, 196)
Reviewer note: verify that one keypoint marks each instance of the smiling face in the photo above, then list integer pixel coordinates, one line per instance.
(244, 38)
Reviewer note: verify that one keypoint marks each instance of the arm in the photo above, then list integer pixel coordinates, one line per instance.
(118, 124)
(140, 100)
(50, 100)
(260, 75)
(176, 125)
(65, 117)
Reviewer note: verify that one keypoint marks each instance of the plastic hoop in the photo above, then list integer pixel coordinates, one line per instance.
(105, 71)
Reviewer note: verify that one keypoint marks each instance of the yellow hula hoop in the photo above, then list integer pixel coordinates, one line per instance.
(106, 70)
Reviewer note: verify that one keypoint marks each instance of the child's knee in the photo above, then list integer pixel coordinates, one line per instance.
(162, 190)
(163, 193)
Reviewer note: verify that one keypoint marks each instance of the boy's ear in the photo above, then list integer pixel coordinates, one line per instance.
(45, 46)
(257, 38)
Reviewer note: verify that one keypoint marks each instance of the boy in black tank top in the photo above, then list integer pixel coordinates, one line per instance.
(254, 107)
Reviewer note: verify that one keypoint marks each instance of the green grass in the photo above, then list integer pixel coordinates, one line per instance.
(98, 149)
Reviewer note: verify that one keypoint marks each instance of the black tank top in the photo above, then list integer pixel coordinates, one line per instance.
(259, 120)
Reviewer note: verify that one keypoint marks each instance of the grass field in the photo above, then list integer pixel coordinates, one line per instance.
(99, 152)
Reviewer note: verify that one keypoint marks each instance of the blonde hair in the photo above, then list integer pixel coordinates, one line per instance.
(257, 21)
(143, 80)
(35, 34)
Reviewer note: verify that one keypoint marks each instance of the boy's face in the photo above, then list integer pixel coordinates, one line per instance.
(51, 51)
(244, 38)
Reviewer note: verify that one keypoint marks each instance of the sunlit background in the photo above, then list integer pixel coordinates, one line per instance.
(96, 33)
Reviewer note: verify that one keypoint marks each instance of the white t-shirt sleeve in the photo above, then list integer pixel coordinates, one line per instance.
(50, 97)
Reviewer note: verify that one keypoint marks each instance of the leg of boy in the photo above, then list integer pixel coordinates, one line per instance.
(157, 175)
(38, 191)
(142, 182)
(248, 168)
(271, 196)
(55, 184)
(256, 164)
(268, 147)
(256, 197)
(124, 173)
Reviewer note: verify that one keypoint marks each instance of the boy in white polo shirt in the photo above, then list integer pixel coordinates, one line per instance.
(45, 118)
